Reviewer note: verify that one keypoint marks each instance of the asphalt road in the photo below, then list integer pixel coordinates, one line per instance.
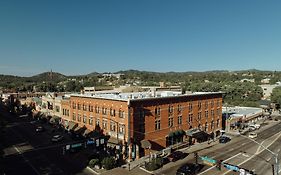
(240, 151)
(28, 152)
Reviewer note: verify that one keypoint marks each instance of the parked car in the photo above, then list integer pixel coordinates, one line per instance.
(174, 156)
(255, 126)
(224, 139)
(57, 138)
(188, 169)
(39, 129)
(253, 135)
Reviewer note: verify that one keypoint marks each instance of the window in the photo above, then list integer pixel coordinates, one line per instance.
(79, 106)
(199, 105)
(121, 128)
(212, 104)
(218, 103)
(74, 116)
(84, 107)
(73, 105)
(84, 119)
(91, 108)
(98, 122)
(171, 121)
(104, 124)
(206, 114)
(91, 120)
(112, 126)
(97, 109)
(112, 112)
(157, 124)
(79, 118)
(180, 120)
(218, 113)
(199, 116)
(57, 108)
(171, 109)
(206, 126)
(218, 123)
(190, 107)
(179, 108)
(206, 105)
(157, 111)
(121, 114)
(104, 110)
(190, 116)
(212, 113)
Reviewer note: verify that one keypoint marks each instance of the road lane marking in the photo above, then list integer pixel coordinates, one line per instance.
(243, 143)
(278, 150)
(260, 146)
(256, 153)
(231, 149)
(26, 160)
(268, 159)
(223, 161)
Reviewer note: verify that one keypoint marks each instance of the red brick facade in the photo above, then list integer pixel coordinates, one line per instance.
(151, 119)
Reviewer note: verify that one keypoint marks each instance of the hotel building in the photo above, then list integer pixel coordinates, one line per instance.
(146, 121)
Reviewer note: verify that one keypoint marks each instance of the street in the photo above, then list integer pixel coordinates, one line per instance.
(241, 152)
(28, 152)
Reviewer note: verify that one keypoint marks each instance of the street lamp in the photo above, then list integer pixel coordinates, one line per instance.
(275, 155)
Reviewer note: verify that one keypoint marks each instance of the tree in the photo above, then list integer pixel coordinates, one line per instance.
(276, 95)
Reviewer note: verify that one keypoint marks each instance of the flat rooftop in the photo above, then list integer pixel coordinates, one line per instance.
(114, 95)
(241, 111)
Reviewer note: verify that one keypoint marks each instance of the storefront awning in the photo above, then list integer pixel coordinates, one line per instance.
(86, 132)
(145, 144)
(72, 125)
(196, 133)
(113, 140)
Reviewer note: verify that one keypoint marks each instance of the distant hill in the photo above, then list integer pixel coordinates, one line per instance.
(47, 76)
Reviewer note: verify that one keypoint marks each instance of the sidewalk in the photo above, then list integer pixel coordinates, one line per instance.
(134, 166)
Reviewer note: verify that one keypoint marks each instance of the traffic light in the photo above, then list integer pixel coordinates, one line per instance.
(218, 165)
(196, 157)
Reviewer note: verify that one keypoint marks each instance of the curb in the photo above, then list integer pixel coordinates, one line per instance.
(93, 171)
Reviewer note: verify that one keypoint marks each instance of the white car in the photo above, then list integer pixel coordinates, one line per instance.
(253, 135)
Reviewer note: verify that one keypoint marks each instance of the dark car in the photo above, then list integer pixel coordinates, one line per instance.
(174, 156)
(188, 169)
(39, 129)
(57, 138)
(224, 139)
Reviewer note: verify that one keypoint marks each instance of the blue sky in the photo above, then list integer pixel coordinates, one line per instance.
(80, 37)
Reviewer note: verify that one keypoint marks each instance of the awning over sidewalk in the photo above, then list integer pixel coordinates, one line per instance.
(86, 132)
(196, 133)
(72, 125)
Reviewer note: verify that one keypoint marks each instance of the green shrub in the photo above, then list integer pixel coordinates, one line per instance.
(108, 163)
(151, 166)
(93, 162)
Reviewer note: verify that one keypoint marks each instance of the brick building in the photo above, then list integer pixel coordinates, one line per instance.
(145, 121)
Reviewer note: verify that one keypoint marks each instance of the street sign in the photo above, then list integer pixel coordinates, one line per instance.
(90, 142)
(76, 145)
(231, 167)
(208, 161)
(67, 147)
